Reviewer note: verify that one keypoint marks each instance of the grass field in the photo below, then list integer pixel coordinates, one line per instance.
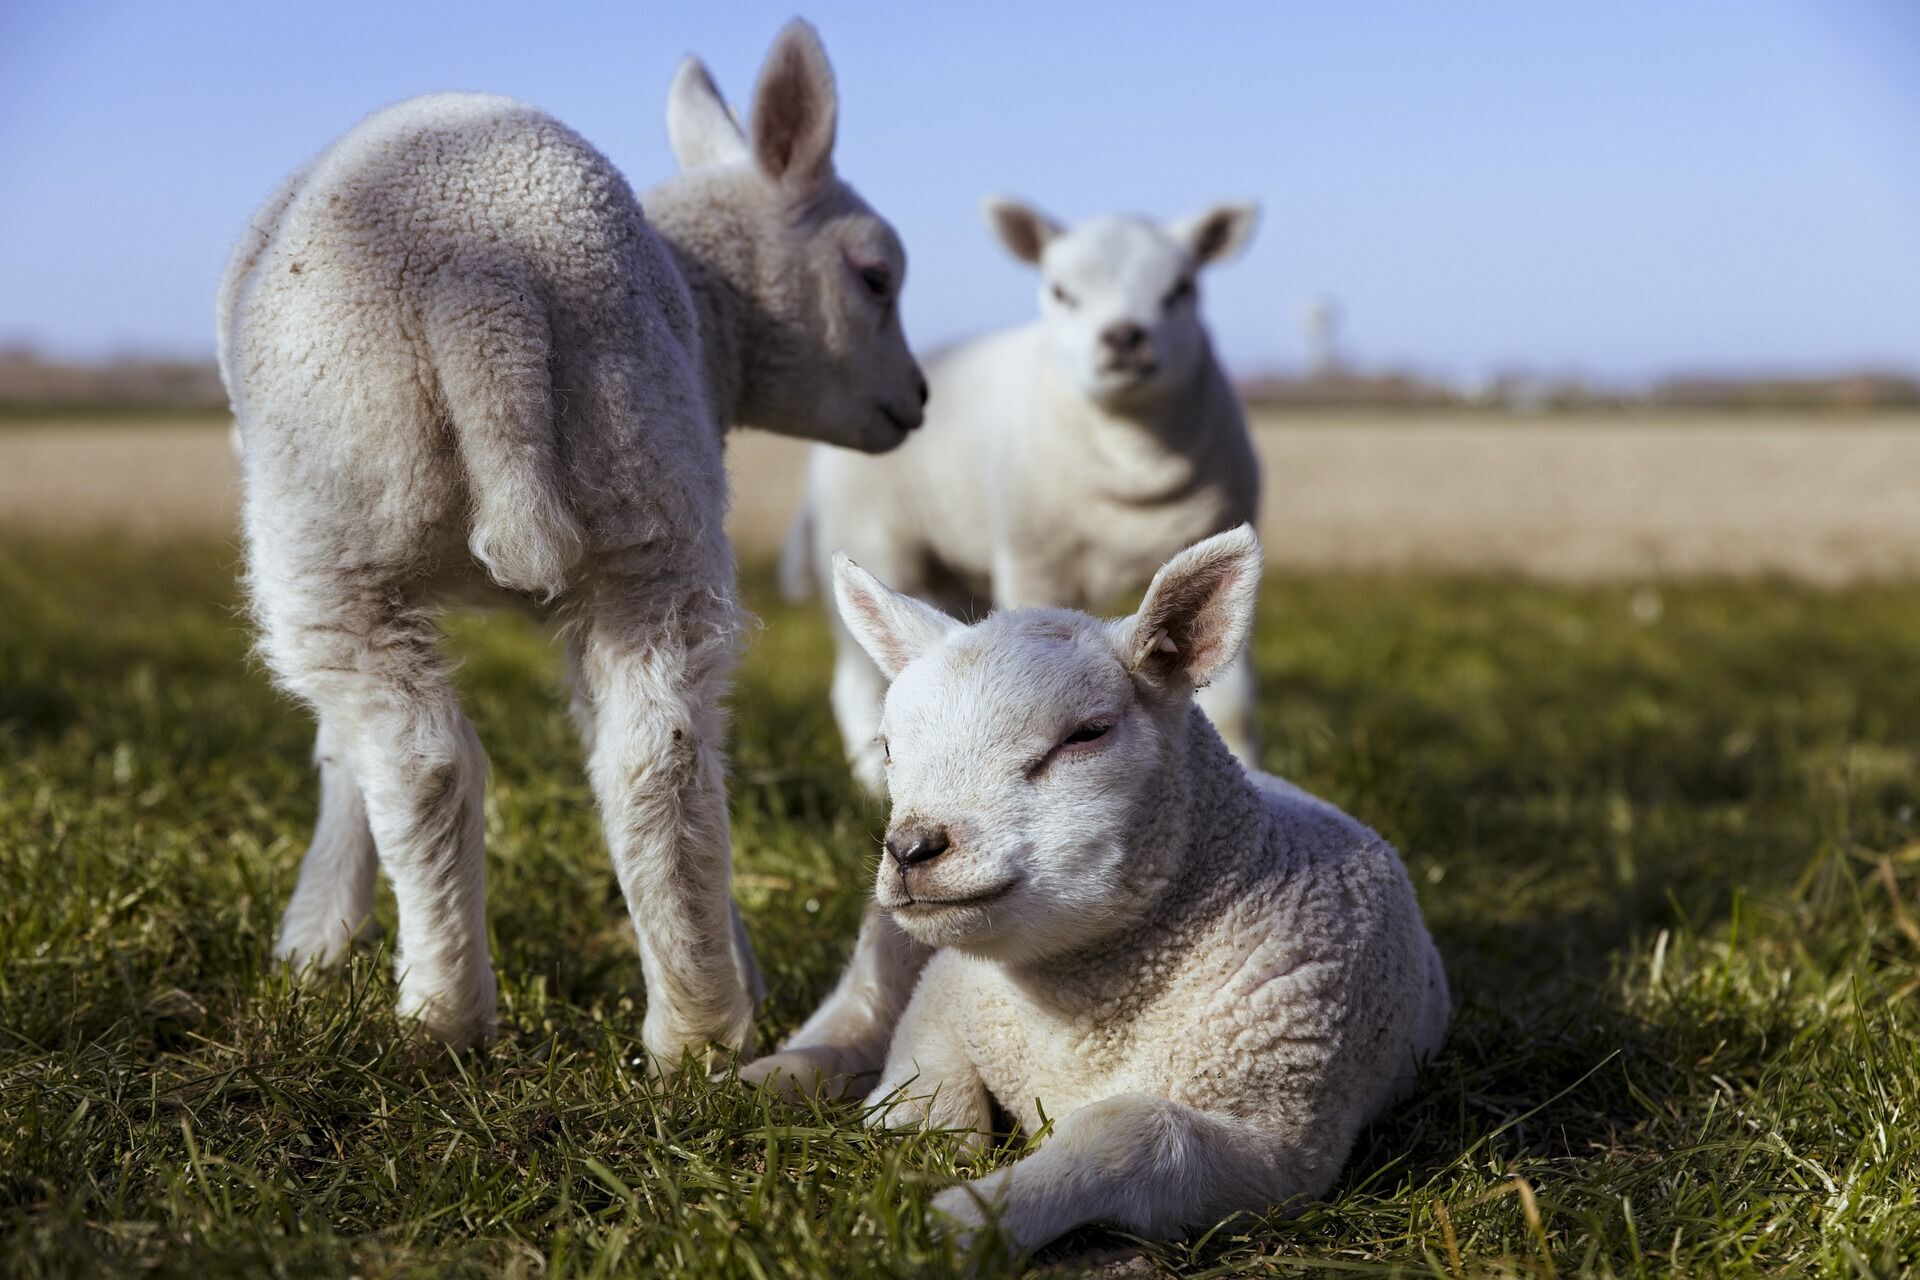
(1663, 837)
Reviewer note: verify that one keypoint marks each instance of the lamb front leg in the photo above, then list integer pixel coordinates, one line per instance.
(930, 1080)
(839, 1051)
(1144, 1164)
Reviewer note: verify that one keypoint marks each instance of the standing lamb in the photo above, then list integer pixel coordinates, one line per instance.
(1206, 979)
(1062, 462)
(460, 355)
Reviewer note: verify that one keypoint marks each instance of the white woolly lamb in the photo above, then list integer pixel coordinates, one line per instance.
(1207, 980)
(460, 355)
(1062, 462)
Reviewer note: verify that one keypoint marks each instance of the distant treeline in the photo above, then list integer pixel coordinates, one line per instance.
(34, 384)
(1863, 391)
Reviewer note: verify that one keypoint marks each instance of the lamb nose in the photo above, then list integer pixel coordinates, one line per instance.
(1123, 337)
(910, 848)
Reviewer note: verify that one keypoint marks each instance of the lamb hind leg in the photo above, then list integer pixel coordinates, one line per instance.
(334, 895)
(586, 721)
(1144, 1164)
(654, 677)
(371, 667)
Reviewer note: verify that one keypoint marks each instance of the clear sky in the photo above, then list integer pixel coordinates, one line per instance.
(1619, 188)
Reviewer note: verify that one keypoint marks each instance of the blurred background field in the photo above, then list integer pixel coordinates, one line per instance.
(1823, 497)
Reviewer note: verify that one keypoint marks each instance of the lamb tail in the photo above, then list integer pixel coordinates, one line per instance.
(490, 345)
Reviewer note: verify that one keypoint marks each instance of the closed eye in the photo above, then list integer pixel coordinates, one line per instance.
(1178, 294)
(1081, 741)
(1064, 298)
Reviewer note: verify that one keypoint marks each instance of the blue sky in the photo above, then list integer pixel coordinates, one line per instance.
(1618, 188)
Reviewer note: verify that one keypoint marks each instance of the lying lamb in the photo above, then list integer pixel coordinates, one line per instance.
(1062, 462)
(457, 352)
(1206, 979)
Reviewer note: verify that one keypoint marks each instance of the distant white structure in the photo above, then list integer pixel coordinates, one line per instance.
(1320, 318)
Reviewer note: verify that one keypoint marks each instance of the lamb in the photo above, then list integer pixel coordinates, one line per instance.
(461, 357)
(1062, 462)
(1206, 979)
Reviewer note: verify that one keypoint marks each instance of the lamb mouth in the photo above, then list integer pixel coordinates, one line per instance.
(900, 423)
(974, 900)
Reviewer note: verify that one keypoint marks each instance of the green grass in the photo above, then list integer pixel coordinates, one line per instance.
(1662, 840)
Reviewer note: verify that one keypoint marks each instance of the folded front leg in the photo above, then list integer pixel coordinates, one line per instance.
(839, 1051)
(1144, 1164)
(929, 1080)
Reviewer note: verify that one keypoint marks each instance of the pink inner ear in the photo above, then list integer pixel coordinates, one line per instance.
(1193, 620)
(874, 620)
(793, 114)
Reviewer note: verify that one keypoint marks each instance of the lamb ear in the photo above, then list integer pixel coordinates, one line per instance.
(1198, 611)
(794, 110)
(892, 627)
(701, 128)
(1219, 233)
(1021, 227)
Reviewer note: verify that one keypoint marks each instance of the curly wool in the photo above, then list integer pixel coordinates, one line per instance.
(1205, 980)
(462, 360)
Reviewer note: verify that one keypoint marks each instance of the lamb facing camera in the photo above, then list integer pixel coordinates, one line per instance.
(1062, 461)
(1207, 979)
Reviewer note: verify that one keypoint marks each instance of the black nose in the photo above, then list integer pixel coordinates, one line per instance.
(911, 848)
(923, 392)
(1123, 337)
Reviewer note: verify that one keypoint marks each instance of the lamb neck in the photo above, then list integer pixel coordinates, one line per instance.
(716, 256)
(1156, 452)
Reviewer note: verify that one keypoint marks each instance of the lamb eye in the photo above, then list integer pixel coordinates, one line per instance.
(1062, 297)
(1087, 733)
(1179, 293)
(878, 280)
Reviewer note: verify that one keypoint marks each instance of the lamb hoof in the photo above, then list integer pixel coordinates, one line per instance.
(310, 950)
(959, 1216)
(800, 1074)
(461, 1024)
(459, 1012)
(669, 1040)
